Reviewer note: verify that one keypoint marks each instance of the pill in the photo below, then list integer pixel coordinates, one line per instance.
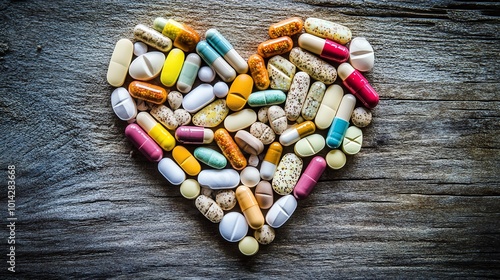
(146, 66)
(281, 72)
(297, 95)
(353, 140)
(335, 159)
(174, 99)
(258, 70)
(262, 132)
(249, 206)
(182, 116)
(264, 194)
(190, 189)
(362, 56)
(123, 104)
(250, 176)
(212, 115)
(287, 174)
(240, 90)
(240, 120)
(210, 157)
(309, 145)
(275, 46)
(328, 107)
(233, 227)
(165, 116)
(277, 119)
(340, 123)
(253, 160)
(154, 129)
(264, 235)
(271, 160)
(171, 171)
(229, 149)
(219, 179)
(172, 67)
(266, 97)
(140, 48)
(358, 85)
(206, 74)
(313, 65)
(281, 211)
(183, 36)
(226, 50)
(313, 100)
(287, 27)
(209, 208)
(248, 246)
(147, 92)
(262, 115)
(226, 199)
(248, 143)
(309, 178)
(152, 37)
(297, 132)
(214, 60)
(189, 72)
(142, 105)
(325, 48)
(119, 63)
(327, 29)
(143, 142)
(361, 117)
(207, 191)
(186, 160)
(198, 98)
(221, 89)
(194, 135)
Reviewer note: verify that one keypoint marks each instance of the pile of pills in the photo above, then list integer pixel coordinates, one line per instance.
(192, 92)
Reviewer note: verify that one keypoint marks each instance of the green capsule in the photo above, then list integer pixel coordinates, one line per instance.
(210, 157)
(266, 97)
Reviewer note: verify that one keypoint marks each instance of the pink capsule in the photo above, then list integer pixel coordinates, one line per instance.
(143, 142)
(309, 178)
(194, 135)
(358, 85)
(325, 48)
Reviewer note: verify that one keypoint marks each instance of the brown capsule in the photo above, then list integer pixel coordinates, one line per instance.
(274, 47)
(230, 149)
(287, 27)
(259, 72)
(147, 92)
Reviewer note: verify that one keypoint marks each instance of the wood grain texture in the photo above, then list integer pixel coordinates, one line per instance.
(421, 200)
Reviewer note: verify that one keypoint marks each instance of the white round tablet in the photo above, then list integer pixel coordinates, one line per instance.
(140, 48)
(206, 74)
(221, 89)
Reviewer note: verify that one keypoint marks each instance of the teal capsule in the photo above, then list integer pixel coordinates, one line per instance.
(210, 157)
(266, 97)
(188, 73)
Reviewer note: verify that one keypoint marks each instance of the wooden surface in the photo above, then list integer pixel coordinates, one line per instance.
(421, 200)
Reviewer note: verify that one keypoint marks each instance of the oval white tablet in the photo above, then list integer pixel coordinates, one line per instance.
(123, 104)
(219, 179)
(147, 66)
(281, 211)
(171, 171)
(198, 98)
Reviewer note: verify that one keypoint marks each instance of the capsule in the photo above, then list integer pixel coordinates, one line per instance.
(295, 133)
(210, 157)
(274, 47)
(172, 67)
(358, 85)
(189, 72)
(230, 149)
(249, 207)
(184, 37)
(327, 29)
(152, 38)
(287, 27)
(239, 92)
(186, 160)
(214, 60)
(148, 92)
(325, 48)
(258, 70)
(341, 121)
(226, 50)
(266, 98)
(156, 131)
(143, 142)
(194, 135)
(271, 160)
(309, 178)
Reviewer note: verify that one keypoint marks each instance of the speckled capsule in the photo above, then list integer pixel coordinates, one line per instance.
(281, 72)
(258, 69)
(313, 100)
(211, 115)
(230, 149)
(174, 99)
(182, 116)
(287, 174)
(209, 208)
(262, 115)
(274, 47)
(165, 116)
(277, 119)
(262, 132)
(313, 65)
(297, 95)
(226, 199)
(287, 27)
(147, 92)
(152, 38)
(183, 36)
(265, 234)
(361, 117)
(327, 29)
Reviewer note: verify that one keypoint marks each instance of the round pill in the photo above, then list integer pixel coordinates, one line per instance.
(335, 159)
(140, 48)
(206, 74)
(362, 56)
(183, 117)
(250, 176)
(190, 189)
(248, 246)
(264, 235)
(226, 199)
(253, 160)
(262, 115)
(174, 99)
(361, 117)
(221, 89)
(233, 226)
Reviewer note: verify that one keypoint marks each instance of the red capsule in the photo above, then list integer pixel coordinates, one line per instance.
(325, 48)
(358, 85)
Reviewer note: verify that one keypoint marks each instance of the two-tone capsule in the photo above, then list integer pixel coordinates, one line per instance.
(143, 142)
(325, 48)
(226, 50)
(271, 160)
(341, 121)
(194, 135)
(358, 85)
(295, 133)
(183, 36)
(214, 60)
(156, 131)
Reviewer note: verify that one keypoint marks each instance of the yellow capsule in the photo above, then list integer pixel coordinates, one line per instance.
(184, 37)
(186, 160)
(287, 27)
(230, 149)
(156, 131)
(147, 92)
(271, 160)
(240, 90)
(259, 72)
(249, 207)
(274, 47)
(172, 67)
(295, 133)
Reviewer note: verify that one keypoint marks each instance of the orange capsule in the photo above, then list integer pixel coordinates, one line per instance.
(147, 92)
(271, 160)
(274, 47)
(183, 36)
(230, 149)
(249, 207)
(240, 90)
(186, 160)
(259, 71)
(287, 27)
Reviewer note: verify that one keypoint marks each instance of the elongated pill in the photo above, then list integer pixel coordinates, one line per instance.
(266, 98)
(340, 123)
(230, 149)
(165, 116)
(152, 38)
(211, 115)
(248, 143)
(258, 70)
(219, 179)
(214, 60)
(143, 142)
(327, 29)
(281, 211)
(271, 160)
(274, 47)
(328, 107)
(119, 62)
(198, 98)
(147, 92)
(277, 119)
(287, 27)
(226, 50)
(325, 48)
(313, 65)
(309, 178)
(189, 72)
(240, 90)
(313, 100)
(171, 171)
(240, 120)
(297, 132)
(287, 174)
(281, 72)
(296, 95)
(147, 66)
(172, 67)
(358, 85)
(210, 157)
(264, 194)
(154, 129)
(309, 145)
(249, 207)
(186, 160)
(209, 208)
(183, 36)
(123, 104)
(194, 135)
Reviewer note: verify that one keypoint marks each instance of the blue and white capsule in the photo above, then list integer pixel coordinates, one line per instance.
(341, 121)
(224, 48)
(214, 60)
